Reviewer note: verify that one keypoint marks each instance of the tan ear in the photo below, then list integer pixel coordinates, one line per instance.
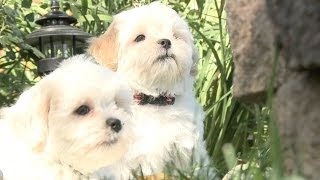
(30, 115)
(105, 48)
(195, 59)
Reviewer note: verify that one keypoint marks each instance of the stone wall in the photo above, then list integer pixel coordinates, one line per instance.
(256, 29)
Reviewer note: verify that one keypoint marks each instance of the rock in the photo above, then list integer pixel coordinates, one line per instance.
(256, 29)
(297, 24)
(297, 106)
(252, 42)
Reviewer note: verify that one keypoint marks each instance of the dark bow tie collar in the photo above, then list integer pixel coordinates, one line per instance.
(161, 100)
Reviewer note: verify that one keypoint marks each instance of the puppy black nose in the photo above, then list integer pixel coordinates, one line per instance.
(114, 123)
(165, 43)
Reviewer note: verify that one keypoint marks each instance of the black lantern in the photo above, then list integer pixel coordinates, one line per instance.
(57, 39)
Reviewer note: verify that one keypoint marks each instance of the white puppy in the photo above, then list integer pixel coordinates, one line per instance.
(70, 124)
(152, 47)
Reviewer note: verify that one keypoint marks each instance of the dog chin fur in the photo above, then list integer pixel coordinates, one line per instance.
(41, 136)
(160, 131)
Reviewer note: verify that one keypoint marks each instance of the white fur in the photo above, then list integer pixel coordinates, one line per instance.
(137, 60)
(160, 132)
(41, 136)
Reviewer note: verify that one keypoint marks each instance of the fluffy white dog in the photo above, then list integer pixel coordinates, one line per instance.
(152, 47)
(71, 123)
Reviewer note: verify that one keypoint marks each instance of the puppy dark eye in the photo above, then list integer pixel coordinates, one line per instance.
(139, 38)
(82, 110)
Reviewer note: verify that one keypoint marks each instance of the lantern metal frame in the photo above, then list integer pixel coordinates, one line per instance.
(56, 29)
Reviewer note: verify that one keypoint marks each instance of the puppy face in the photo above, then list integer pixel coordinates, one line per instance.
(77, 116)
(155, 46)
(87, 124)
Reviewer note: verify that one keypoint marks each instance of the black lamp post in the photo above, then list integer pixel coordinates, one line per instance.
(56, 38)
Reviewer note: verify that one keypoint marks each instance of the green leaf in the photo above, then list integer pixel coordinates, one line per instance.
(26, 3)
(84, 6)
(6, 64)
(229, 154)
(105, 18)
(11, 55)
(30, 17)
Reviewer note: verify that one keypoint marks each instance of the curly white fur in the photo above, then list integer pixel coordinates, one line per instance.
(42, 136)
(160, 131)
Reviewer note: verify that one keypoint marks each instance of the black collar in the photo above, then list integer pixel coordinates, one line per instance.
(161, 100)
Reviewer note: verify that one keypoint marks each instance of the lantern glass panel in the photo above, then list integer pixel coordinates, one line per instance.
(80, 46)
(57, 46)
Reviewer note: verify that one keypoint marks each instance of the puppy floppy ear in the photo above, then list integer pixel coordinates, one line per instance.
(195, 59)
(29, 116)
(105, 48)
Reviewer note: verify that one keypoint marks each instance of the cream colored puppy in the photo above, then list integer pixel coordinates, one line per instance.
(71, 123)
(152, 47)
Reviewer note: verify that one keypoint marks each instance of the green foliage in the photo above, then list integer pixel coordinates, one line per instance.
(17, 68)
(94, 16)
(235, 133)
